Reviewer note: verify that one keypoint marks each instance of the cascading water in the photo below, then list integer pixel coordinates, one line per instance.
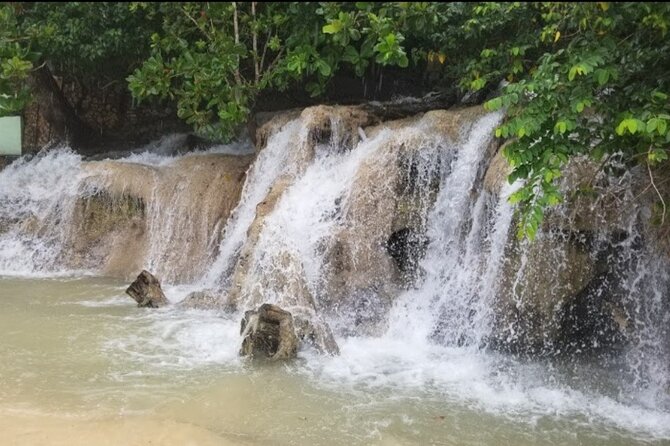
(269, 165)
(388, 234)
(453, 301)
(31, 192)
(60, 214)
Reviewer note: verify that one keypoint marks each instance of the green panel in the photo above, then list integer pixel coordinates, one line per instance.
(10, 135)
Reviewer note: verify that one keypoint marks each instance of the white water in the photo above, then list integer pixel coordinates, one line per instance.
(183, 202)
(41, 189)
(270, 164)
(433, 350)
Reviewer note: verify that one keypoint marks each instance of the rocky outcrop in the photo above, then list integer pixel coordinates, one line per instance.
(110, 230)
(375, 255)
(379, 237)
(128, 215)
(268, 333)
(562, 292)
(274, 333)
(147, 292)
(240, 287)
(497, 173)
(92, 115)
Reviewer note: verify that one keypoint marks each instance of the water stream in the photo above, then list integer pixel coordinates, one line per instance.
(310, 224)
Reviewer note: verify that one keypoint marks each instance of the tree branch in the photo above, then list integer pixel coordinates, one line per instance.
(254, 42)
(236, 29)
(201, 28)
(660, 196)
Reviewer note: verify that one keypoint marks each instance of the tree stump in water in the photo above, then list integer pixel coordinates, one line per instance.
(268, 332)
(147, 292)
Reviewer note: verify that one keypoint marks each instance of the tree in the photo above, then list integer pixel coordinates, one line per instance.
(16, 63)
(215, 58)
(579, 78)
(582, 79)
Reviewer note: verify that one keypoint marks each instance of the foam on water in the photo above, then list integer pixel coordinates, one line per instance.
(44, 202)
(482, 382)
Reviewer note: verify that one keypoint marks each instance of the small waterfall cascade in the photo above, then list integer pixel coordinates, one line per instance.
(399, 231)
(60, 214)
(33, 192)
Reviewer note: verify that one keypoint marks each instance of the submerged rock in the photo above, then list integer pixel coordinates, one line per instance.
(202, 300)
(147, 292)
(268, 332)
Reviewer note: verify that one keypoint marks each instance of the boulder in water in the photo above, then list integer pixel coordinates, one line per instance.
(147, 292)
(269, 332)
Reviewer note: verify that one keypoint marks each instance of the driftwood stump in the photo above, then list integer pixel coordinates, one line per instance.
(147, 292)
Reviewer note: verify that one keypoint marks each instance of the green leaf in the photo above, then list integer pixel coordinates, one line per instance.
(652, 124)
(478, 84)
(630, 124)
(657, 155)
(494, 104)
(572, 73)
(332, 28)
(561, 127)
(323, 67)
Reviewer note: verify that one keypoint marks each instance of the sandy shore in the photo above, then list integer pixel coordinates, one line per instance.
(47, 430)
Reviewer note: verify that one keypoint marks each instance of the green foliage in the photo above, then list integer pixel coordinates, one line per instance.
(580, 78)
(101, 41)
(86, 38)
(594, 82)
(215, 75)
(15, 65)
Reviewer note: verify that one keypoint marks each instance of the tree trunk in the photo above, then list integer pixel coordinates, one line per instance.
(58, 112)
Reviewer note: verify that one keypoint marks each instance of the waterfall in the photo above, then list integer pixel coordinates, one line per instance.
(399, 236)
(60, 214)
(34, 191)
(463, 254)
(270, 164)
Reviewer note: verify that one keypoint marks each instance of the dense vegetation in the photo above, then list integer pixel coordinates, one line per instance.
(577, 78)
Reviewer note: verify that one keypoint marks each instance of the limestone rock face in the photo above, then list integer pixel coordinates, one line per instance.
(563, 292)
(497, 173)
(147, 292)
(269, 333)
(538, 281)
(376, 225)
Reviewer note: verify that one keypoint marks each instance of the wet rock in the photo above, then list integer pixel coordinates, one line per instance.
(269, 332)
(147, 292)
(592, 322)
(127, 215)
(496, 174)
(244, 267)
(203, 300)
(316, 333)
(561, 293)
(407, 247)
(539, 278)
